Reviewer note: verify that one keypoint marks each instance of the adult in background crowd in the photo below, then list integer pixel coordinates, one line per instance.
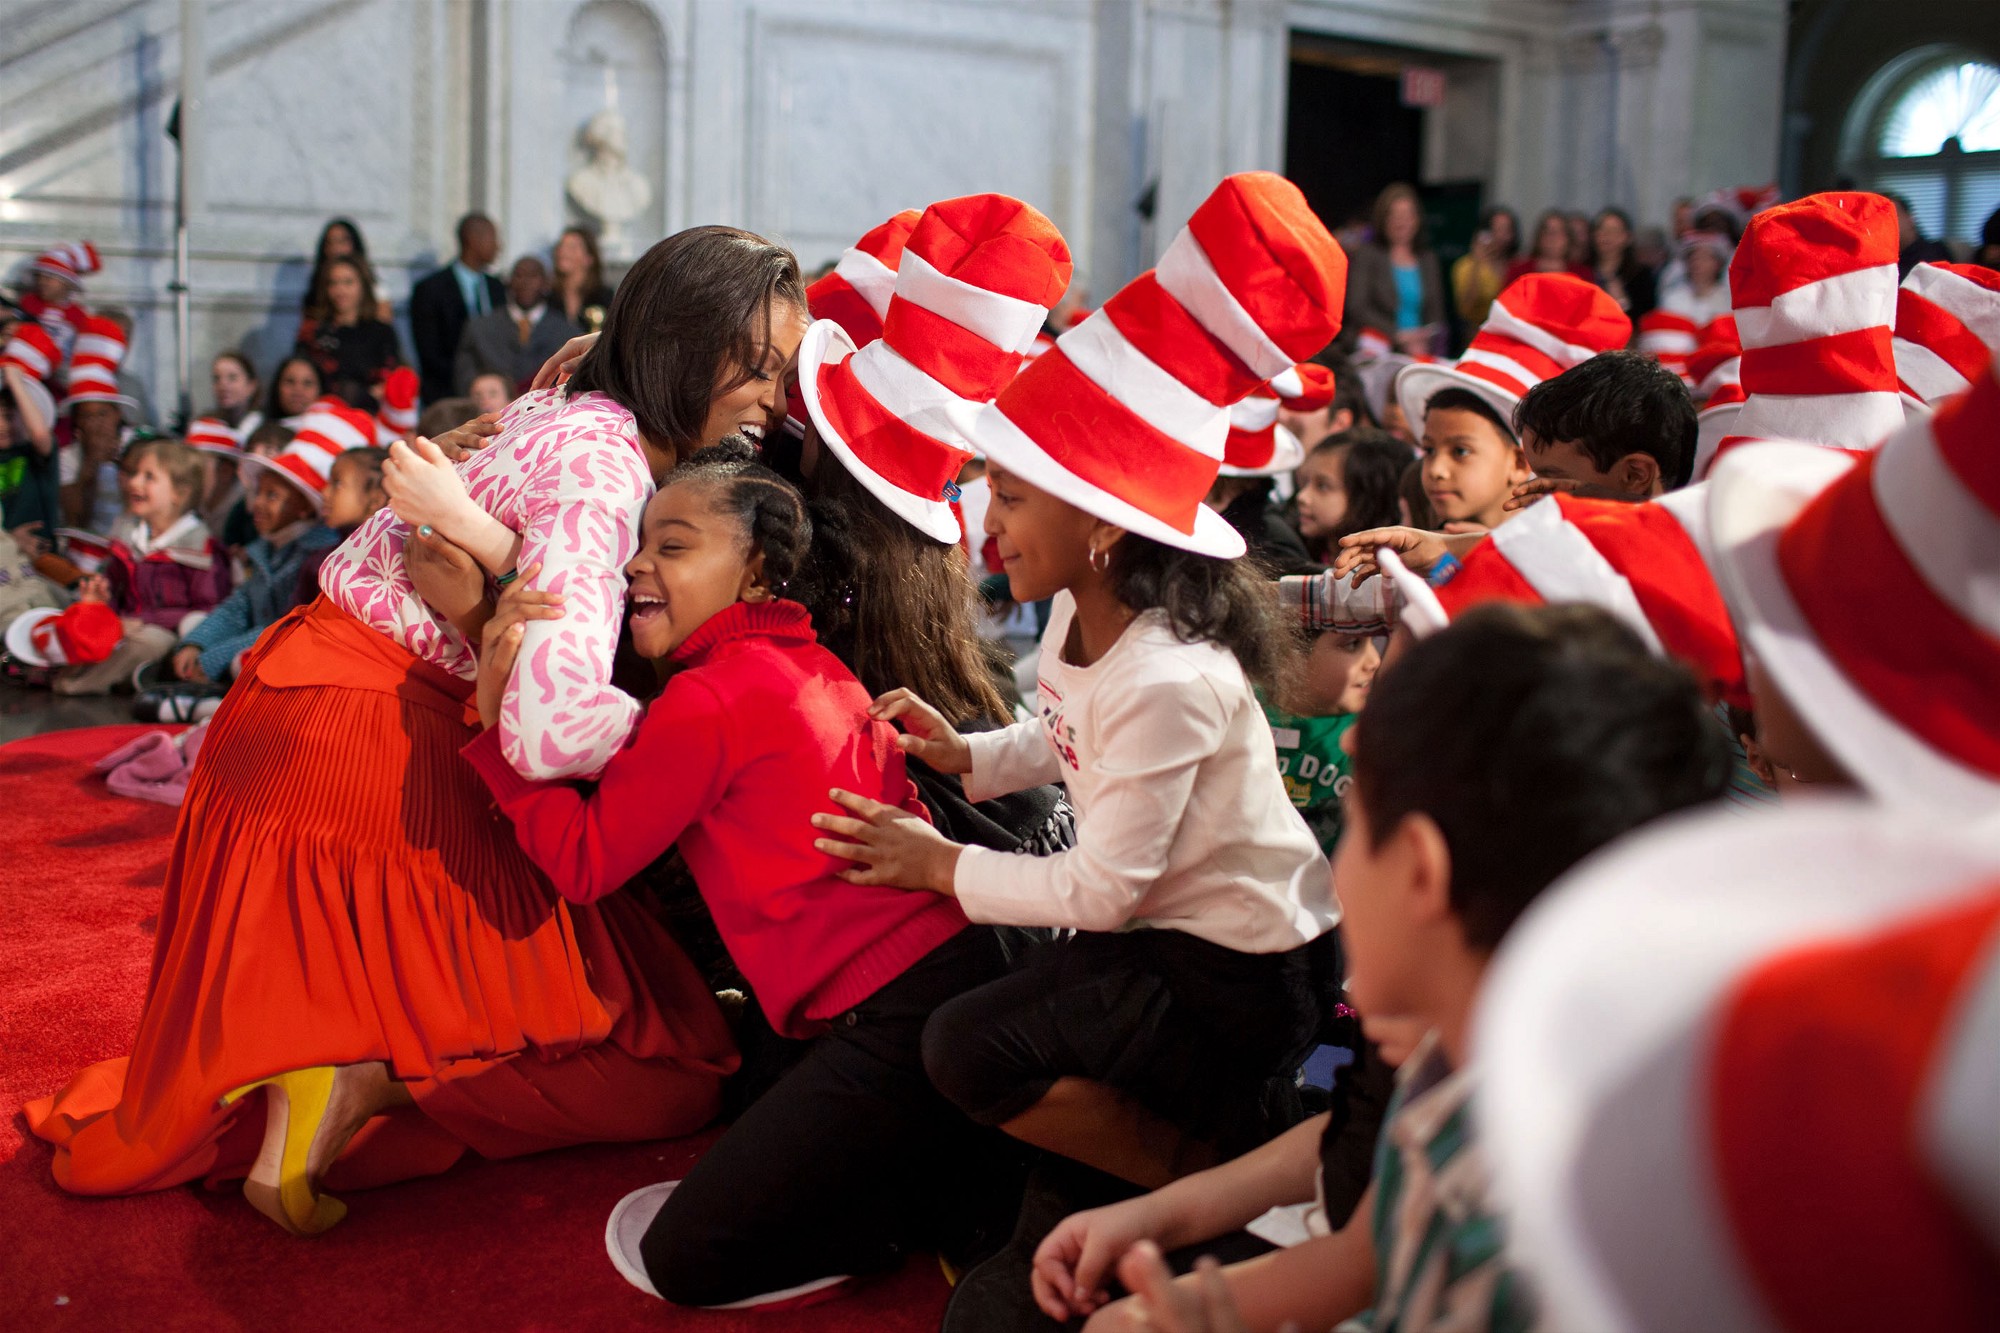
(1912, 246)
(351, 349)
(1481, 272)
(441, 304)
(1616, 269)
(341, 239)
(1548, 252)
(513, 341)
(578, 289)
(1393, 281)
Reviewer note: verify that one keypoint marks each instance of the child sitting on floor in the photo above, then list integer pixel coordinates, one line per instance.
(1348, 483)
(267, 441)
(852, 1155)
(353, 494)
(162, 576)
(287, 499)
(1310, 716)
(1492, 758)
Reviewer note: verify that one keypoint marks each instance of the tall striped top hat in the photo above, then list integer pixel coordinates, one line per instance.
(1782, 1112)
(213, 435)
(1259, 444)
(326, 432)
(94, 362)
(856, 294)
(1669, 339)
(1644, 563)
(1540, 326)
(1717, 371)
(1814, 285)
(73, 261)
(33, 352)
(1947, 329)
(1126, 418)
(978, 276)
(1865, 587)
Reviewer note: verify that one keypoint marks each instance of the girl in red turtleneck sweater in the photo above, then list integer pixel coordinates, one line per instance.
(852, 1156)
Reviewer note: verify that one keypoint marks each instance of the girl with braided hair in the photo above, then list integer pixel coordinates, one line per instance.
(851, 1157)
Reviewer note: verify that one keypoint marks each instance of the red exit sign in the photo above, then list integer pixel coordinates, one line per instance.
(1423, 86)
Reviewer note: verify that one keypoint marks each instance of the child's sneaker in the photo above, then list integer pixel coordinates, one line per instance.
(633, 1217)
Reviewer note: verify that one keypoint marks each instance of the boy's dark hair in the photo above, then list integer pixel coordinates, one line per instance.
(369, 458)
(1370, 473)
(1615, 404)
(1532, 736)
(897, 607)
(1225, 602)
(717, 289)
(770, 509)
(1465, 400)
(271, 434)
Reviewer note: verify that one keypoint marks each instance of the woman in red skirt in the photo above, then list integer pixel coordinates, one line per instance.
(347, 925)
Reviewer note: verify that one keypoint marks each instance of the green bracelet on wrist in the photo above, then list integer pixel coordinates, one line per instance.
(507, 578)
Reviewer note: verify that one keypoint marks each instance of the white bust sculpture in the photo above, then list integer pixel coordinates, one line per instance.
(605, 186)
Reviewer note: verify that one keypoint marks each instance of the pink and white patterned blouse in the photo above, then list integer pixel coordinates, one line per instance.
(571, 477)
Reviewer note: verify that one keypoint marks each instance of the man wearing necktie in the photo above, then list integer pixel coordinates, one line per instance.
(443, 303)
(517, 336)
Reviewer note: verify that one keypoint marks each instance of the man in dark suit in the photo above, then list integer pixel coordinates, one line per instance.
(515, 340)
(441, 303)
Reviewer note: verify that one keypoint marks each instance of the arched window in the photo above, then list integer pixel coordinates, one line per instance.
(1927, 127)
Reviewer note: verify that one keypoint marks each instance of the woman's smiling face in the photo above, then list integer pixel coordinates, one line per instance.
(756, 407)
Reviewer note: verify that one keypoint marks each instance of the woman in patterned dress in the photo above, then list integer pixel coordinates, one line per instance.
(347, 927)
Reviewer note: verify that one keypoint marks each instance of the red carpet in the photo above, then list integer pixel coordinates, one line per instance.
(490, 1245)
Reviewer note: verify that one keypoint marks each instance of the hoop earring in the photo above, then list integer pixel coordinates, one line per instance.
(1100, 560)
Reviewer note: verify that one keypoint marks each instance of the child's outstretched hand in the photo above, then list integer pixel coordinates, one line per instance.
(565, 360)
(424, 489)
(926, 734)
(1419, 550)
(1198, 1303)
(94, 588)
(501, 643)
(892, 845)
(462, 442)
(1534, 488)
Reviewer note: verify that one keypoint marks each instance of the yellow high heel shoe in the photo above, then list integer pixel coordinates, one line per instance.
(298, 1100)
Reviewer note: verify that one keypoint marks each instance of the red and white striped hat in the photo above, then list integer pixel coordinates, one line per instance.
(1372, 345)
(33, 352)
(1814, 284)
(73, 261)
(1306, 387)
(856, 294)
(1258, 446)
(1947, 329)
(213, 435)
(1669, 339)
(1540, 326)
(325, 433)
(1644, 563)
(1717, 371)
(1864, 587)
(93, 364)
(397, 415)
(1126, 418)
(1744, 1073)
(977, 278)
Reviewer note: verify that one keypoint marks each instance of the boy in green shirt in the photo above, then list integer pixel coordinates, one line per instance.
(1310, 727)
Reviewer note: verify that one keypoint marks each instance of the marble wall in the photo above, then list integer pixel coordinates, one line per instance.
(809, 120)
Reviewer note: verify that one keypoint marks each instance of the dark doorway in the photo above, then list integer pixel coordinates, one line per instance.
(1347, 132)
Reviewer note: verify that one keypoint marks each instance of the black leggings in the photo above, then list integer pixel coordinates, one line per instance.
(1190, 1030)
(849, 1160)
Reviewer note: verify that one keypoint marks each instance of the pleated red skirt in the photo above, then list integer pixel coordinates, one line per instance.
(342, 890)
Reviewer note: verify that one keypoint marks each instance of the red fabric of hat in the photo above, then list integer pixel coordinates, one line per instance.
(856, 294)
(88, 631)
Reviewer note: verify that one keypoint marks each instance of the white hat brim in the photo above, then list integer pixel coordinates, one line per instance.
(1418, 381)
(249, 465)
(1287, 452)
(1010, 448)
(1595, 1023)
(1712, 426)
(828, 344)
(1755, 491)
(20, 641)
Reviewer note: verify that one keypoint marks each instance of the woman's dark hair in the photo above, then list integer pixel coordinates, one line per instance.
(1465, 400)
(593, 277)
(272, 411)
(1371, 471)
(1534, 239)
(320, 309)
(360, 258)
(1379, 218)
(1224, 602)
(1492, 211)
(898, 608)
(1531, 736)
(691, 320)
(769, 509)
(242, 362)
